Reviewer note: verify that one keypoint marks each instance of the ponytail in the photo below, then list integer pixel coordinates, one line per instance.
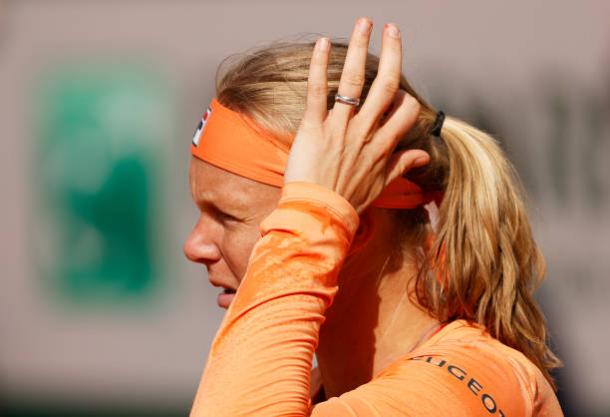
(485, 260)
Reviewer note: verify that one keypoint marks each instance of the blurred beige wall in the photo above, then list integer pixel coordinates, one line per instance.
(508, 57)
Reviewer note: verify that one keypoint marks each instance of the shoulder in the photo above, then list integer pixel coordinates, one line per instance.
(482, 374)
(461, 371)
(465, 379)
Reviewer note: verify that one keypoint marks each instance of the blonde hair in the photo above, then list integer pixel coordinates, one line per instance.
(483, 243)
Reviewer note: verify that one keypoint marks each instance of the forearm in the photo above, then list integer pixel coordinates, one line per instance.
(260, 360)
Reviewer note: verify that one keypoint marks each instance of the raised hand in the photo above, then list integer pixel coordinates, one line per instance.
(350, 152)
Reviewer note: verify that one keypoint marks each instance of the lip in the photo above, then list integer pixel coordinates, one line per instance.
(223, 299)
(221, 284)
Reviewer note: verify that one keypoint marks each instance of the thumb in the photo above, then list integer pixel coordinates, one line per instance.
(401, 162)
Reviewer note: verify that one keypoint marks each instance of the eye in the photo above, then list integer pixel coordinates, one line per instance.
(217, 213)
(224, 216)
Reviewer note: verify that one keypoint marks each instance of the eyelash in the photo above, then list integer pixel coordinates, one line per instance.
(221, 215)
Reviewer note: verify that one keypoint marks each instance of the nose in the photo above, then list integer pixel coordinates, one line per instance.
(200, 246)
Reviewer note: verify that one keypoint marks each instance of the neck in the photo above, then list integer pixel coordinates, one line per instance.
(372, 320)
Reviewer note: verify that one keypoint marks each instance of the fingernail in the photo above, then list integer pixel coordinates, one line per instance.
(393, 30)
(364, 26)
(323, 44)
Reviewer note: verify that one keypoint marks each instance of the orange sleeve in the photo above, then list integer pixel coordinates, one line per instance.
(260, 361)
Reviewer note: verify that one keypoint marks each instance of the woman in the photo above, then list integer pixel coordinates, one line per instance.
(313, 171)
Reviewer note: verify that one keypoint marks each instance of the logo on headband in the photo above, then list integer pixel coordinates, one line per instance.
(201, 126)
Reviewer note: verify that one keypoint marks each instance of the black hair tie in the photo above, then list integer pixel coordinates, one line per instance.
(438, 124)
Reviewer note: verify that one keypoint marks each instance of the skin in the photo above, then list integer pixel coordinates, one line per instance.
(372, 321)
(386, 323)
(231, 208)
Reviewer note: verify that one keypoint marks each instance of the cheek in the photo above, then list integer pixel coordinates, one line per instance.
(237, 245)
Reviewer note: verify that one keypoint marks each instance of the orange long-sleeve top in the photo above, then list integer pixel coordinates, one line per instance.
(261, 358)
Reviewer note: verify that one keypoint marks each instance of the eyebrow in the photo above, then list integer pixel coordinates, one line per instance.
(206, 198)
(233, 210)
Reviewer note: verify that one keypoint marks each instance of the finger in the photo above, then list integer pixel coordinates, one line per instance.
(399, 121)
(402, 162)
(353, 74)
(317, 86)
(398, 99)
(387, 114)
(387, 81)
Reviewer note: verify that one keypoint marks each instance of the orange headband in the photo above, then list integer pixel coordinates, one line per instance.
(234, 142)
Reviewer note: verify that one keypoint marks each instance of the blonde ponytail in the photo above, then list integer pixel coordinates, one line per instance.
(484, 250)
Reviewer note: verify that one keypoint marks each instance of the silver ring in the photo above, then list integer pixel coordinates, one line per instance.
(347, 100)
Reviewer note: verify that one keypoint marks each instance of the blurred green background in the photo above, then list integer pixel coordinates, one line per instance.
(98, 164)
(101, 315)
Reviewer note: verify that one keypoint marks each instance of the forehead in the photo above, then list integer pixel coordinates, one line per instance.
(212, 184)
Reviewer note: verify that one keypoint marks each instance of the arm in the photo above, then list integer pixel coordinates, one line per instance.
(339, 162)
(260, 360)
